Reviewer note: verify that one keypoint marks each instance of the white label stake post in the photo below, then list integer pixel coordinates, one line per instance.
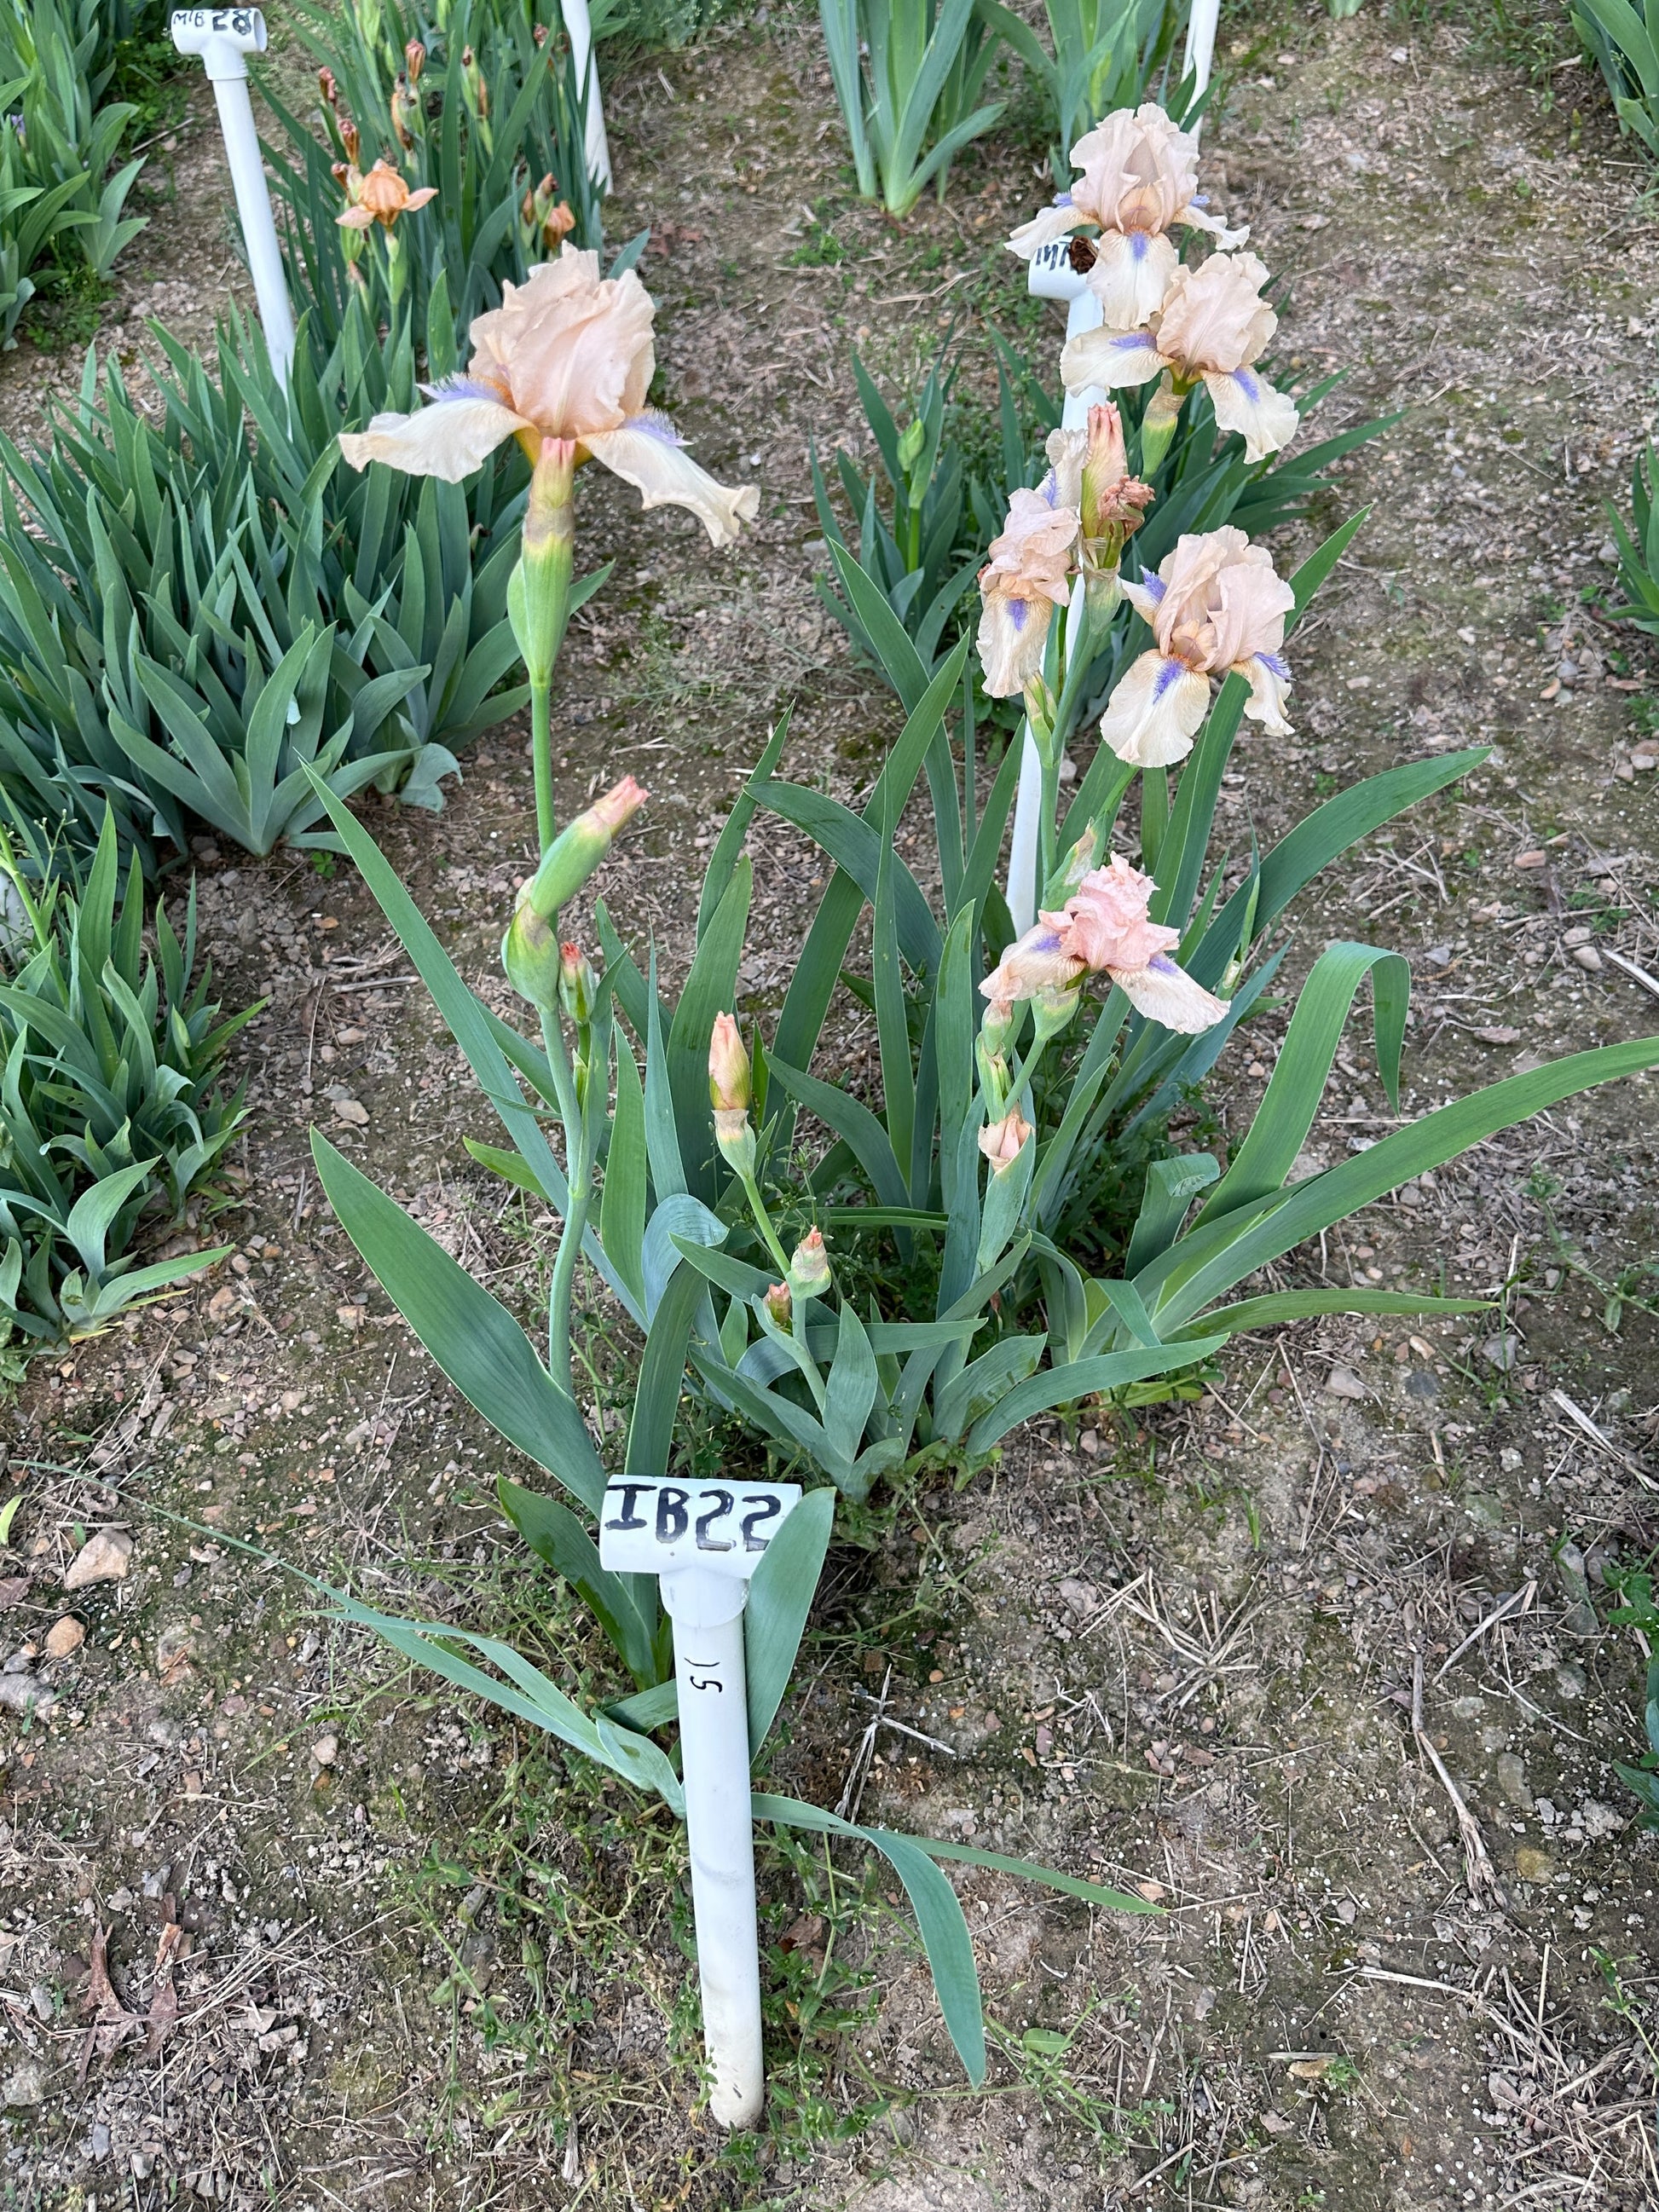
(705, 1542)
(224, 38)
(1050, 275)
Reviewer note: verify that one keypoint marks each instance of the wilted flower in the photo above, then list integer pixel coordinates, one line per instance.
(1139, 183)
(404, 112)
(1216, 605)
(543, 217)
(1026, 577)
(1003, 1141)
(809, 1267)
(1210, 326)
(381, 197)
(567, 356)
(1104, 930)
(1112, 501)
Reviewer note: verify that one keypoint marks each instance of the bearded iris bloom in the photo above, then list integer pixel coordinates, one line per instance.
(1140, 182)
(1217, 606)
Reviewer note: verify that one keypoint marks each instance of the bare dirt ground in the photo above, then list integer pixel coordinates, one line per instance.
(283, 1924)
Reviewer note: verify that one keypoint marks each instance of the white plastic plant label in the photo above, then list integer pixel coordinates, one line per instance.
(244, 27)
(653, 1525)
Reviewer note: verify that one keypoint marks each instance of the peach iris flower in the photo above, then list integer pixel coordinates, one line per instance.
(1210, 326)
(381, 197)
(1029, 571)
(1217, 606)
(1140, 182)
(1104, 930)
(568, 356)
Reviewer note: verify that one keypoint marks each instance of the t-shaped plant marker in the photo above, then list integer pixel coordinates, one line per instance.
(705, 1540)
(1050, 275)
(224, 38)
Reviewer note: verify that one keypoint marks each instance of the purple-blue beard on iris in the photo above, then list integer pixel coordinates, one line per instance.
(1276, 664)
(1247, 383)
(1017, 611)
(1154, 586)
(463, 387)
(1169, 673)
(1162, 964)
(655, 424)
(1138, 245)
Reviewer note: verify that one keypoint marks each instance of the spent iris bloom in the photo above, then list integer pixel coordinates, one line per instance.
(1211, 326)
(566, 360)
(1140, 182)
(1104, 930)
(1029, 573)
(1216, 606)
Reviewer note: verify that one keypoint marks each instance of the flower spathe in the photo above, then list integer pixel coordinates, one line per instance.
(1210, 326)
(1104, 930)
(1140, 182)
(1217, 606)
(1029, 571)
(567, 356)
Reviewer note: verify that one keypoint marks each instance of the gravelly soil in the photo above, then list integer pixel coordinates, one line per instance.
(414, 1963)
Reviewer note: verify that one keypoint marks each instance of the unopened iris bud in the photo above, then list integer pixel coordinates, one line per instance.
(414, 60)
(998, 1023)
(530, 954)
(577, 850)
(779, 1304)
(729, 1088)
(579, 987)
(1074, 867)
(809, 1268)
(328, 87)
(1002, 1142)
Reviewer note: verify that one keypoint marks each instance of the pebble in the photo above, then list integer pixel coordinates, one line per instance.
(20, 1691)
(63, 1637)
(1343, 1383)
(104, 1557)
(325, 1750)
(1588, 957)
(1512, 1780)
(27, 2084)
(1532, 1864)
